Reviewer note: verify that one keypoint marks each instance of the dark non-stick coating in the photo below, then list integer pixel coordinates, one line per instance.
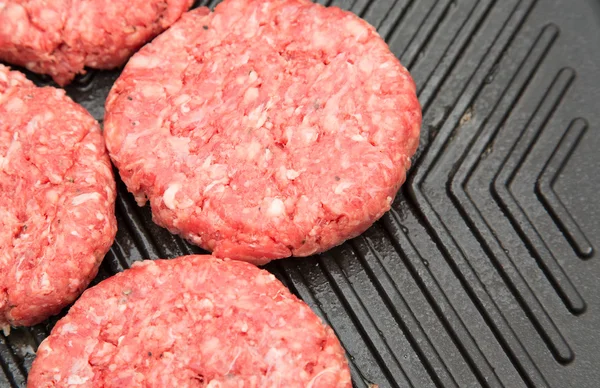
(486, 272)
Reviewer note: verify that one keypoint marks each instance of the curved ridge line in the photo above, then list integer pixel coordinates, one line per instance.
(517, 215)
(419, 200)
(544, 188)
(423, 164)
(469, 210)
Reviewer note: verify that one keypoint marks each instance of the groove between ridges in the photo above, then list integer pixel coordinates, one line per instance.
(518, 217)
(471, 282)
(295, 280)
(544, 188)
(468, 206)
(371, 261)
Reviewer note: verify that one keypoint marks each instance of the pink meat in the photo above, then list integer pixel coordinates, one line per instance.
(59, 38)
(57, 196)
(264, 129)
(195, 321)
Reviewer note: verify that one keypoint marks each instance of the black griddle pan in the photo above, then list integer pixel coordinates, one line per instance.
(486, 271)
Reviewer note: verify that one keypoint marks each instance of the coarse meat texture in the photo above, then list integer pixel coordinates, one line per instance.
(60, 38)
(57, 199)
(264, 129)
(194, 321)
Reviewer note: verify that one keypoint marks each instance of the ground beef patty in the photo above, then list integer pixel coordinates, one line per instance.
(59, 37)
(57, 198)
(195, 321)
(264, 129)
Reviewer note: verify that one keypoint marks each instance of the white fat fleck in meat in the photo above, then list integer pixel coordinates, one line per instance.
(13, 147)
(52, 196)
(181, 145)
(68, 328)
(313, 381)
(151, 90)
(207, 162)
(357, 116)
(212, 346)
(261, 120)
(85, 198)
(265, 279)
(252, 150)
(250, 95)
(252, 76)
(321, 41)
(268, 154)
(206, 304)
(194, 118)
(169, 195)
(292, 174)
(366, 65)
(212, 184)
(45, 284)
(274, 357)
(182, 99)
(218, 171)
(358, 137)
(77, 380)
(14, 104)
(331, 123)
(355, 27)
(276, 208)
(257, 116)
(91, 147)
(144, 62)
(342, 186)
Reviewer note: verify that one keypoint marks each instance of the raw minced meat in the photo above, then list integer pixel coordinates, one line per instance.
(264, 129)
(57, 198)
(59, 37)
(195, 321)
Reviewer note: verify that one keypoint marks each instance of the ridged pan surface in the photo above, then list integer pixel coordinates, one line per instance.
(486, 272)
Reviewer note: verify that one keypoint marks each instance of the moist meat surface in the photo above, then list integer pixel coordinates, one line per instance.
(265, 129)
(59, 37)
(195, 321)
(57, 195)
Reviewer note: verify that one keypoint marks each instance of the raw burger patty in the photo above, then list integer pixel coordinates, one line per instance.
(57, 198)
(265, 129)
(195, 321)
(59, 37)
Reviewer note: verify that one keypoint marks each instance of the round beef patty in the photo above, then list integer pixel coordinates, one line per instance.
(265, 129)
(59, 37)
(57, 199)
(194, 321)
